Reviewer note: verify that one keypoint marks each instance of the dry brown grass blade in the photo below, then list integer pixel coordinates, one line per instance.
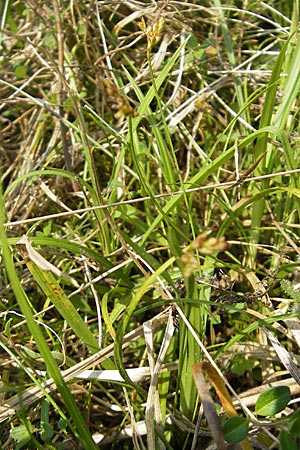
(220, 388)
(208, 406)
(224, 396)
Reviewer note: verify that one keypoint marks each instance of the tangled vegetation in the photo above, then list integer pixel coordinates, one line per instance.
(149, 224)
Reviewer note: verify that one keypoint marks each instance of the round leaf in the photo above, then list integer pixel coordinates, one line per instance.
(235, 429)
(272, 401)
(20, 71)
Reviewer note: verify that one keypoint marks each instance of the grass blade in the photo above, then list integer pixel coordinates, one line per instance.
(80, 430)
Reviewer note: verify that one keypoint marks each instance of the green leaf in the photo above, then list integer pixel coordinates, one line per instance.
(241, 365)
(62, 303)
(81, 29)
(192, 42)
(50, 42)
(83, 434)
(46, 432)
(21, 435)
(286, 441)
(20, 71)
(294, 424)
(272, 401)
(235, 429)
(215, 319)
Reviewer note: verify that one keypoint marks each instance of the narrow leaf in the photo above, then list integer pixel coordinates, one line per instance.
(62, 303)
(286, 441)
(294, 424)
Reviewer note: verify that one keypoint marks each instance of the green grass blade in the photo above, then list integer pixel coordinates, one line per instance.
(290, 89)
(49, 285)
(262, 141)
(145, 101)
(80, 429)
(199, 178)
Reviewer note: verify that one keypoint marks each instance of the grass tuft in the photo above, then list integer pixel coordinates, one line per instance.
(149, 224)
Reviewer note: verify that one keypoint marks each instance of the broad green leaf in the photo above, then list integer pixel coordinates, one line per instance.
(272, 401)
(235, 429)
